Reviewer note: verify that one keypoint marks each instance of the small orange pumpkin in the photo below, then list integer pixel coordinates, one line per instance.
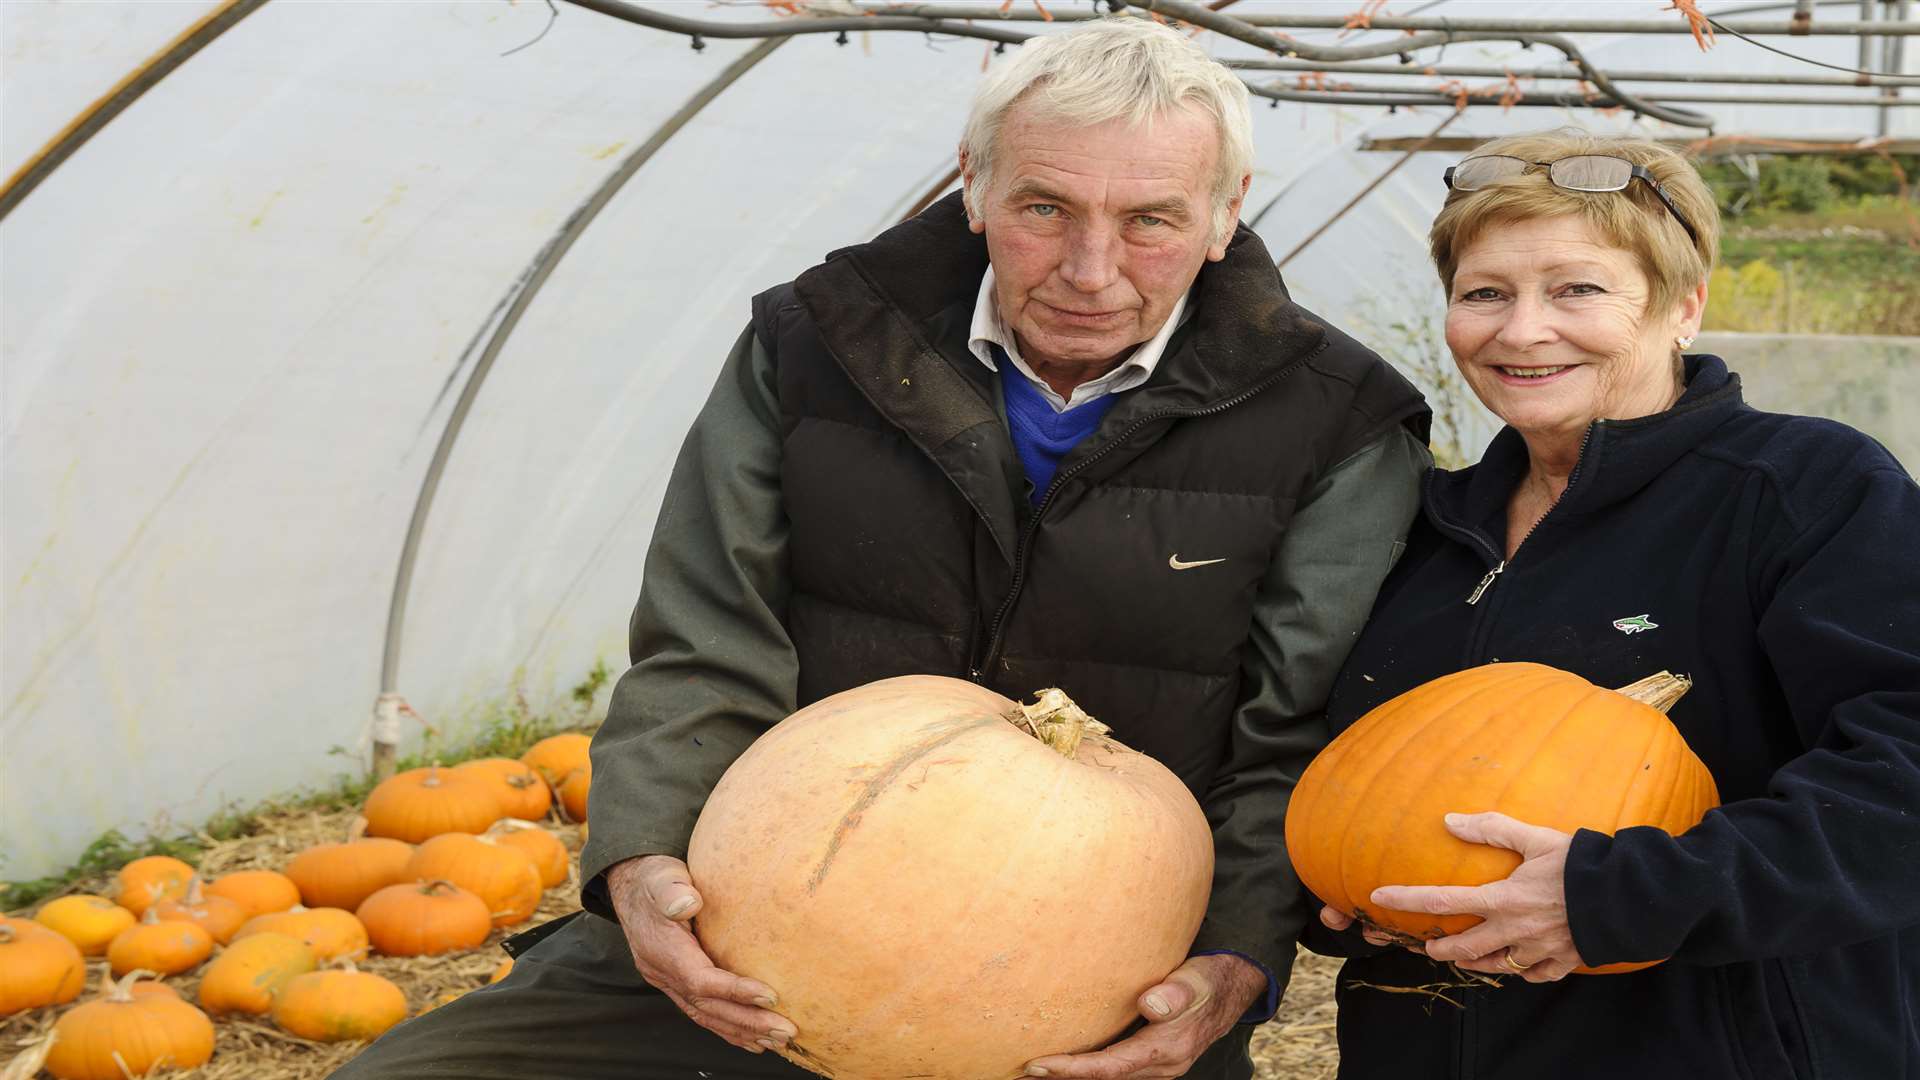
(505, 969)
(38, 967)
(166, 947)
(1541, 745)
(334, 1006)
(332, 933)
(145, 882)
(557, 756)
(123, 1034)
(247, 974)
(573, 792)
(258, 892)
(426, 918)
(549, 855)
(420, 804)
(504, 878)
(343, 875)
(523, 794)
(217, 915)
(90, 922)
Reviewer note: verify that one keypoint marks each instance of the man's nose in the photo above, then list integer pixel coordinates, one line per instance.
(1091, 261)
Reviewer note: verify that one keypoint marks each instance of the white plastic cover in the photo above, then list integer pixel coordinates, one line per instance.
(235, 323)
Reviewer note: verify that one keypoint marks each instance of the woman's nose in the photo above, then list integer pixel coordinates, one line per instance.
(1527, 323)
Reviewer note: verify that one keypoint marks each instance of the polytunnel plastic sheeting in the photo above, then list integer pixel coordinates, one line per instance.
(235, 323)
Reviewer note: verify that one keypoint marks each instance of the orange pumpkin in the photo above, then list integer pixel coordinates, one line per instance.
(420, 804)
(90, 922)
(505, 969)
(248, 973)
(164, 947)
(504, 878)
(1055, 874)
(426, 918)
(557, 756)
(122, 1034)
(144, 882)
(573, 792)
(258, 892)
(549, 855)
(217, 915)
(343, 875)
(38, 967)
(523, 794)
(1535, 743)
(332, 933)
(335, 1006)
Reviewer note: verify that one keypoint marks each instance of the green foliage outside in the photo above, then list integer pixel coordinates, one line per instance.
(1816, 245)
(509, 728)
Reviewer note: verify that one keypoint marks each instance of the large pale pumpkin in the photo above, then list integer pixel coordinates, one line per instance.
(1530, 741)
(933, 891)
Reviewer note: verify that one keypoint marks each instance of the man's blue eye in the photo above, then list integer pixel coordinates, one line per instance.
(1045, 209)
(1148, 219)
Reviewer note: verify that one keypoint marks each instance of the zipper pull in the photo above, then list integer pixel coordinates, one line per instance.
(1486, 583)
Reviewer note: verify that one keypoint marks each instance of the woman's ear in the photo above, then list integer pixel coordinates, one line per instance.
(1692, 309)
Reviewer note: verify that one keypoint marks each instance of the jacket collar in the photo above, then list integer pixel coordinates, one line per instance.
(1617, 459)
(894, 314)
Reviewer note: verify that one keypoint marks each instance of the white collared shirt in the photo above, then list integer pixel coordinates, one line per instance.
(989, 330)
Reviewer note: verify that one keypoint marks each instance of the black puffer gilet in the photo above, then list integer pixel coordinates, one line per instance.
(915, 551)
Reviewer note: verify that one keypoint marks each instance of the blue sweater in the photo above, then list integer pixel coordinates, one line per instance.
(1041, 437)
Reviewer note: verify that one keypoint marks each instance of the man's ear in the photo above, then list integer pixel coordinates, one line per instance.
(1218, 249)
(974, 222)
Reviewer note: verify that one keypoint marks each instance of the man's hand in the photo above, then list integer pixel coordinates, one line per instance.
(655, 899)
(1194, 1006)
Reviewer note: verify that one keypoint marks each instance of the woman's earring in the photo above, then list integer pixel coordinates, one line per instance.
(1683, 342)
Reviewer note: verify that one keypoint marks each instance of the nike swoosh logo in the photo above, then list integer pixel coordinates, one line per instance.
(1174, 561)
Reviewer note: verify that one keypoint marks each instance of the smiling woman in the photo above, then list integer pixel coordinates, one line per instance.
(1636, 515)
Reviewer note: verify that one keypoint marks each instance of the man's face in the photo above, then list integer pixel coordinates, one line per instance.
(1096, 232)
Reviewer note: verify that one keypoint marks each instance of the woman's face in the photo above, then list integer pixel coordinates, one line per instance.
(1550, 327)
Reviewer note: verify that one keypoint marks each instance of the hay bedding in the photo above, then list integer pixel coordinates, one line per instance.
(1296, 1045)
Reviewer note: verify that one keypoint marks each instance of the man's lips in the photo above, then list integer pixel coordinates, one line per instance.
(1083, 318)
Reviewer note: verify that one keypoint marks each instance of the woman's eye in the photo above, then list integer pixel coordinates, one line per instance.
(1584, 288)
(1481, 295)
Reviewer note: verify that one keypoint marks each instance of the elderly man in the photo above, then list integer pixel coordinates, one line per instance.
(1068, 430)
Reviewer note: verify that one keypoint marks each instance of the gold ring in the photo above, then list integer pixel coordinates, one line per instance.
(1507, 959)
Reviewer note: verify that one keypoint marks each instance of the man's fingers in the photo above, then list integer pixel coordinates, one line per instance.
(1125, 1060)
(1334, 919)
(1167, 1000)
(1435, 899)
(670, 889)
(715, 984)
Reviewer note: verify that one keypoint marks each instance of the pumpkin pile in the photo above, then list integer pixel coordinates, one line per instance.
(436, 862)
(1530, 741)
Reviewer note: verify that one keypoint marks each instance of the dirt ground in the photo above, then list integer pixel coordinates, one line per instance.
(1297, 1045)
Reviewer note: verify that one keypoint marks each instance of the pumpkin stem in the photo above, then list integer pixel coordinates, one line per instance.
(122, 991)
(1055, 720)
(194, 899)
(6, 935)
(1659, 691)
(358, 829)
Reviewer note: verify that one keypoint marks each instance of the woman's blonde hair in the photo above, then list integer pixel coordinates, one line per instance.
(1633, 220)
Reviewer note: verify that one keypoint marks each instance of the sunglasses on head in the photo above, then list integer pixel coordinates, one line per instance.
(1582, 172)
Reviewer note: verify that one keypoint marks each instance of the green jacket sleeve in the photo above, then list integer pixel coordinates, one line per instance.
(712, 666)
(1307, 614)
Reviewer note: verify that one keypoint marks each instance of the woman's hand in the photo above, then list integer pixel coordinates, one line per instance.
(1336, 920)
(1525, 931)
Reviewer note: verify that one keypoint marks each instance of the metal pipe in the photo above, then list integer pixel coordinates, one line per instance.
(1388, 95)
(1802, 21)
(1493, 94)
(788, 27)
(1489, 71)
(549, 257)
(1867, 9)
(1286, 46)
(1673, 25)
(123, 94)
(1363, 193)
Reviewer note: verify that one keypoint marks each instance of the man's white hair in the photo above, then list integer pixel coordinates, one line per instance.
(1118, 67)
